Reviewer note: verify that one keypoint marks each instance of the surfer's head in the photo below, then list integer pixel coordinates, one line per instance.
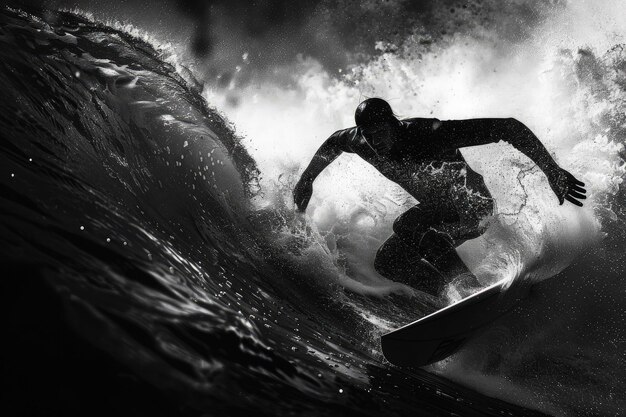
(376, 122)
(373, 111)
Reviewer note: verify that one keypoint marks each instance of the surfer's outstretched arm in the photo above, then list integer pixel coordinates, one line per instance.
(327, 153)
(473, 132)
(564, 184)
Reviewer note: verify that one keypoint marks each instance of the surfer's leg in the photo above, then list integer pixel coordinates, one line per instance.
(417, 220)
(399, 255)
(432, 231)
(422, 250)
(439, 249)
(398, 259)
(438, 244)
(474, 205)
(391, 259)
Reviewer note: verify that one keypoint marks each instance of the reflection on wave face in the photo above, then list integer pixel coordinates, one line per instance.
(132, 196)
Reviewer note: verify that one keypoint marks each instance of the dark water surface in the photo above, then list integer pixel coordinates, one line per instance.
(137, 278)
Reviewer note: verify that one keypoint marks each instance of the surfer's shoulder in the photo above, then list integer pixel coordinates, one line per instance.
(420, 125)
(346, 139)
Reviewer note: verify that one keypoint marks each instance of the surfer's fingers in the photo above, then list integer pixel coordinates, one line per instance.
(573, 179)
(577, 188)
(573, 201)
(577, 195)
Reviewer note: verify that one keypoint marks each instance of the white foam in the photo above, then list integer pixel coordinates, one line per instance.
(464, 77)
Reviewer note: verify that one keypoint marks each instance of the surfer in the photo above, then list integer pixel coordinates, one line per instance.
(422, 156)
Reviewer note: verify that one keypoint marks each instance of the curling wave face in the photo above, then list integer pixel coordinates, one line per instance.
(131, 196)
(134, 197)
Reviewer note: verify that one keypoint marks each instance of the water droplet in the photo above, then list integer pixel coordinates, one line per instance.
(108, 240)
(82, 228)
(340, 391)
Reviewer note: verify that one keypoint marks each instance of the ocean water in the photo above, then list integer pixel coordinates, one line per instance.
(156, 205)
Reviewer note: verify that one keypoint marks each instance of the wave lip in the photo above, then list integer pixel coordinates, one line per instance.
(132, 195)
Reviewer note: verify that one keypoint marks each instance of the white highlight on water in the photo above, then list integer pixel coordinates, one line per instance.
(463, 77)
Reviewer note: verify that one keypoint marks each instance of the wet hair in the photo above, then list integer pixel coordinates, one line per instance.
(373, 111)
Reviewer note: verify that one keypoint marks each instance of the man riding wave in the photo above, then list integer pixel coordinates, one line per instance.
(422, 156)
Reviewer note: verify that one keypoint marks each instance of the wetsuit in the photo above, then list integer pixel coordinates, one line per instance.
(424, 159)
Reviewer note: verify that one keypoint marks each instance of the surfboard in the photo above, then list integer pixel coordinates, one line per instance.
(440, 334)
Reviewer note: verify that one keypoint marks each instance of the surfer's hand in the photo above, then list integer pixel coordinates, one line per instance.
(567, 187)
(302, 193)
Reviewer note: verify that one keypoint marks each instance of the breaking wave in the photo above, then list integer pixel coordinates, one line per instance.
(174, 244)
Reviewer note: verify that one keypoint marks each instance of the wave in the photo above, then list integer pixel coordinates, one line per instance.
(175, 248)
